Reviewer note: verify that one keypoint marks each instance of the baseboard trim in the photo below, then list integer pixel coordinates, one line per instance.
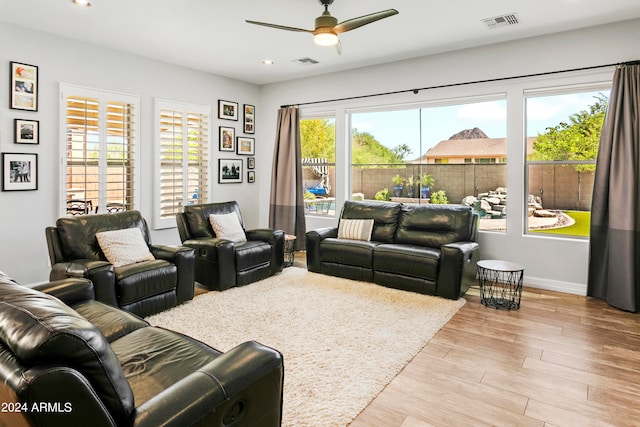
(556, 285)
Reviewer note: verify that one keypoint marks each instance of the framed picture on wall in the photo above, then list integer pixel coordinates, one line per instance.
(26, 131)
(19, 172)
(227, 139)
(251, 163)
(251, 177)
(245, 146)
(24, 87)
(229, 171)
(249, 118)
(227, 110)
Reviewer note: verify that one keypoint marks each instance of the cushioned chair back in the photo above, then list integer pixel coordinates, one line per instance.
(384, 214)
(77, 234)
(197, 217)
(434, 225)
(38, 329)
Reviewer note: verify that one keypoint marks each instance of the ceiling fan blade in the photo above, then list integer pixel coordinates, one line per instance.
(352, 24)
(279, 27)
(338, 47)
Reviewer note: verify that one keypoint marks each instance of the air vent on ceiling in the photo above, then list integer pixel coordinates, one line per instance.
(306, 61)
(501, 21)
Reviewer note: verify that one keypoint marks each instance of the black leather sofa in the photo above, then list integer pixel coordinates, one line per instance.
(222, 264)
(143, 288)
(68, 360)
(430, 249)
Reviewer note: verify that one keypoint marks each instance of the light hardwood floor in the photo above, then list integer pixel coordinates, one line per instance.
(560, 360)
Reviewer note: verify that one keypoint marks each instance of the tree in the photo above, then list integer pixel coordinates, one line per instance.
(318, 139)
(577, 140)
(367, 150)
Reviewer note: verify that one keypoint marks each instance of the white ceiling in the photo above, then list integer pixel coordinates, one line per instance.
(211, 35)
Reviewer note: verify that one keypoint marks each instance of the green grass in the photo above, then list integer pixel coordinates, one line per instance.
(579, 229)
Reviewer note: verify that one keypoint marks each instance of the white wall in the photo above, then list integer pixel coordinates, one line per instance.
(552, 263)
(24, 215)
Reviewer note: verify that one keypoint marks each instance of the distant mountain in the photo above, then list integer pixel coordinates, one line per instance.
(474, 133)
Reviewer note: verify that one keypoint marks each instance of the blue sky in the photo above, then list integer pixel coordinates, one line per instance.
(393, 128)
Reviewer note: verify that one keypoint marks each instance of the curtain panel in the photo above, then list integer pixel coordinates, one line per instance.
(286, 206)
(614, 252)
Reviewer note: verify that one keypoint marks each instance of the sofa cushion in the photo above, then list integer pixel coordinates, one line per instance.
(38, 328)
(124, 247)
(153, 359)
(407, 260)
(355, 229)
(434, 225)
(357, 253)
(227, 226)
(384, 214)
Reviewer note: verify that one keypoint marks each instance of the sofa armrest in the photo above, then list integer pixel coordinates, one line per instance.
(276, 239)
(70, 291)
(184, 259)
(99, 272)
(313, 240)
(218, 252)
(245, 382)
(457, 268)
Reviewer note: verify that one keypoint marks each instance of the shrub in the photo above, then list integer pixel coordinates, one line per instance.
(439, 198)
(382, 194)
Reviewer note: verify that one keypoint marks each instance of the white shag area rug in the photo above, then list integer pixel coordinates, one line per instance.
(343, 341)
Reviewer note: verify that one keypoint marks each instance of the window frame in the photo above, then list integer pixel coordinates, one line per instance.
(103, 97)
(185, 109)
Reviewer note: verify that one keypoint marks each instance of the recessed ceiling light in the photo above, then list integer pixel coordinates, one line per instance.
(268, 62)
(84, 3)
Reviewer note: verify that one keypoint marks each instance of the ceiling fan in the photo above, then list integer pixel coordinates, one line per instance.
(327, 27)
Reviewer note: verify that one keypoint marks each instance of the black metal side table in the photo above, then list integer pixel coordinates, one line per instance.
(289, 249)
(500, 284)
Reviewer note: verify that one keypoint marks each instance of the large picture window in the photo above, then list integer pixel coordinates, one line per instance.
(183, 142)
(100, 146)
(563, 133)
(446, 152)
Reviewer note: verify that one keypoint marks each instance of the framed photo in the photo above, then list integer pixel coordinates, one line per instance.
(24, 87)
(249, 118)
(251, 163)
(26, 131)
(245, 146)
(19, 171)
(227, 139)
(227, 110)
(229, 171)
(251, 177)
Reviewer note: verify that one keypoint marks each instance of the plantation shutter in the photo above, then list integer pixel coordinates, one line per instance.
(100, 151)
(183, 147)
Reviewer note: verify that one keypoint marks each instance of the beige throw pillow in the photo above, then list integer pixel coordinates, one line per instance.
(355, 229)
(227, 226)
(124, 247)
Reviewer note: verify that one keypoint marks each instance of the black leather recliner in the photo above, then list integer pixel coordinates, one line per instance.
(222, 264)
(143, 288)
(68, 360)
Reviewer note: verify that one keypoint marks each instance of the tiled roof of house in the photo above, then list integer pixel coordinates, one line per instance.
(471, 148)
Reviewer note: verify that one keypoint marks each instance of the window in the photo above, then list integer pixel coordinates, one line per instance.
(563, 133)
(183, 158)
(451, 147)
(318, 142)
(100, 160)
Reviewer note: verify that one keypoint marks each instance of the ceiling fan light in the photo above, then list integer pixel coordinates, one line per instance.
(325, 39)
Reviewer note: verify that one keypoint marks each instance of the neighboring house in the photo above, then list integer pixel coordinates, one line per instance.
(473, 147)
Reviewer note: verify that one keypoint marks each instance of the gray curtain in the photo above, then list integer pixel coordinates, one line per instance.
(286, 208)
(614, 252)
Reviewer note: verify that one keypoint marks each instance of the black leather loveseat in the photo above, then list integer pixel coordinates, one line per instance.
(68, 360)
(431, 249)
(143, 288)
